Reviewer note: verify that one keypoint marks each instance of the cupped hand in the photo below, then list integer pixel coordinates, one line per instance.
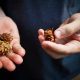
(7, 25)
(67, 38)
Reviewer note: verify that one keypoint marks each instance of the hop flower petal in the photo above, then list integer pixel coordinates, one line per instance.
(49, 34)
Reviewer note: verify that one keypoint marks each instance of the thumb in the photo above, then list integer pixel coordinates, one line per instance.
(67, 29)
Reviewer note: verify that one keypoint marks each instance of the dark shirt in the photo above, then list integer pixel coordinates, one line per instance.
(31, 15)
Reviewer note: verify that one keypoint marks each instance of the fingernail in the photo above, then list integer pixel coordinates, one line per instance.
(58, 33)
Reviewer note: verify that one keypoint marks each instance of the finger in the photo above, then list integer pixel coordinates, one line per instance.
(18, 49)
(1, 65)
(7, 63)
(68, 29)
(15, 58)
(41, 35)
(69, 48)
(41, 38)
(73, 46)
(54, 54)
(76, 36)
(41, 32)
(62, 41)
(54, 47)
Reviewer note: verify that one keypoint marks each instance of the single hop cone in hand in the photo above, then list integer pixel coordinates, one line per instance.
(6, 37)
(49, 35)
(5, 47)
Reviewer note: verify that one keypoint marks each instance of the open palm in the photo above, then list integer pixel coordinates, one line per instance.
(7, 25)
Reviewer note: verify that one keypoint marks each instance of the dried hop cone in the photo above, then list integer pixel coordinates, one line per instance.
(49, 34)
(5, 46)
(6, 37)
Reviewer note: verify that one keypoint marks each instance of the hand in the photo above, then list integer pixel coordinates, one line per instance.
(67, 40)
(8, 26)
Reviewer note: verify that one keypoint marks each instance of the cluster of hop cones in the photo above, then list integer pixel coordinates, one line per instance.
(49, 34)
(5, 40)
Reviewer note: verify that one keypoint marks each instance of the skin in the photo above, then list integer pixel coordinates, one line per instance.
(67, 38)
(8, 62)
(67, 41)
